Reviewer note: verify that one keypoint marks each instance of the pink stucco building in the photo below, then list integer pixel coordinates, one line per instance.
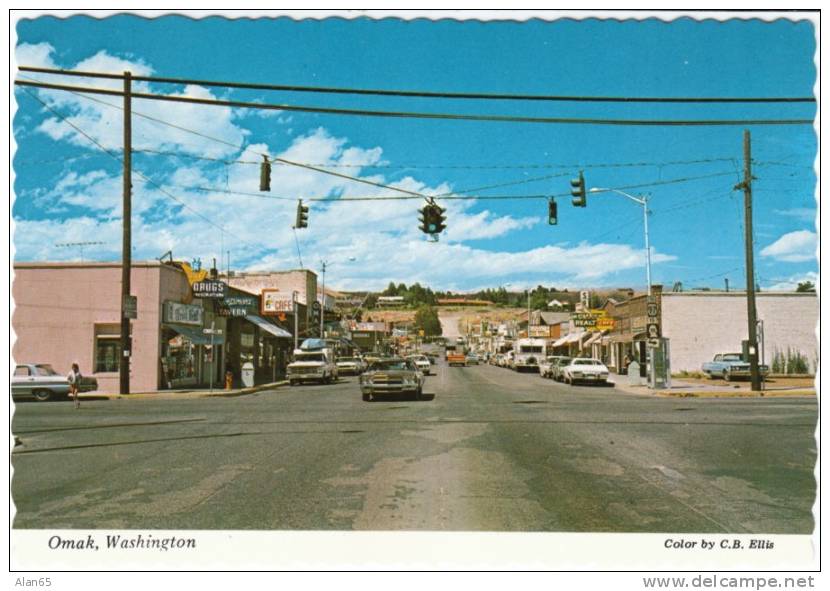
(67, 312)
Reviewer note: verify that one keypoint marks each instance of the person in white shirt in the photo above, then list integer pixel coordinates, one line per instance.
(74, 378)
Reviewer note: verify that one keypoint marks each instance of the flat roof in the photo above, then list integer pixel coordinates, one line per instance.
(85, 264)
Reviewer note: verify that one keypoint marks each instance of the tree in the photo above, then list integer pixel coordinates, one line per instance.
(426, 319)
(805, 286)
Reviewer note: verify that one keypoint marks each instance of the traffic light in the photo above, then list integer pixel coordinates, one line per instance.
(552, 219)
(302, 215)
(265, 174)
(578, 191)
(432, 219)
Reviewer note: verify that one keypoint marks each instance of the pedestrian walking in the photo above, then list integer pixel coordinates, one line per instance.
(74, 378)
(626, 363)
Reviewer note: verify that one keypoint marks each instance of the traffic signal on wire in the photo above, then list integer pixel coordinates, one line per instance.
(552, 219)
(578, 191)
(432, 219)
(302, 215)
(265, 174)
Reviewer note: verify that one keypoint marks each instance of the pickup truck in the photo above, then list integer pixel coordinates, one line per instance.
(456, 356)
(729, 366)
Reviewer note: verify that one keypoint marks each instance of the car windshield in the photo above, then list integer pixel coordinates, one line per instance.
(45, 370)
(390, 364)
(530, 349)
(564, 361)
(586, 362)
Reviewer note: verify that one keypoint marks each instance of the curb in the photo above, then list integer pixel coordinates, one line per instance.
(246, 391)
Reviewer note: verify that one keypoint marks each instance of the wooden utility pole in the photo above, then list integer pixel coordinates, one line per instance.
(751, 313)
(126, 241)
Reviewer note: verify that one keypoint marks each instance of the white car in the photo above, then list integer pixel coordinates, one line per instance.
(585, 370)
(350, 365)
(421, 362)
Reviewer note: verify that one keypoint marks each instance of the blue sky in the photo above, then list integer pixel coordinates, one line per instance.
(68, 190)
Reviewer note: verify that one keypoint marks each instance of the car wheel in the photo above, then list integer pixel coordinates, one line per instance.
(419, 393)
(292, 383)
(365, 397)
(569, 381)
(726, 376)
(42, 395)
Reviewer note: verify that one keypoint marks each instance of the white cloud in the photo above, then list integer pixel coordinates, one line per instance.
(104, 122)
(792, 282)
(794, 247)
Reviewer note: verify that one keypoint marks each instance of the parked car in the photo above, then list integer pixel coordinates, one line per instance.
(556, 369)
(41, 382)
(422, 363)
(546, 365)
(730, 366)
(472, 359)
(585, 370)
(350, 366)
(390, 376)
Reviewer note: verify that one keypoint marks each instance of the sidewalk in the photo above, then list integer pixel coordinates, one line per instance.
(182, 394)
(683, 389)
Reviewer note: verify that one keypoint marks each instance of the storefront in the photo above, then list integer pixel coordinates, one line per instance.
(189, 352)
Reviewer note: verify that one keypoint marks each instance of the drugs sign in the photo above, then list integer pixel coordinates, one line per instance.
(210, 288)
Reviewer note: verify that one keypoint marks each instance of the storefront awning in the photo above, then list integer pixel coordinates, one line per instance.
(267, 326)
(561, 341)
(595, 338)
(576, 337)
(195, 334)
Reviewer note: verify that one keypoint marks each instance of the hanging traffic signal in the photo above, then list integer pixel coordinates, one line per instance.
(265, 174)
(302, 215)
(578, 191)
(432, 219)
(552, 219)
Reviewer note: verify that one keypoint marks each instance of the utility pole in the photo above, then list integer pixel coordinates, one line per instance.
(752, 320)
(323, 304)
(126, 241)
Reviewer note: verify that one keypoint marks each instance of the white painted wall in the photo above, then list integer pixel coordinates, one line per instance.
(702, 324)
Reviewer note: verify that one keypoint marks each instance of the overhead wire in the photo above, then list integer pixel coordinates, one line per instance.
(159, 187)
(419, 93)
(421, 115)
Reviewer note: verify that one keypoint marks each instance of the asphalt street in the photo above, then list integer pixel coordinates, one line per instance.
(488, 449)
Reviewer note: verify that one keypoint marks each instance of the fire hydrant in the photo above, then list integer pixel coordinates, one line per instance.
(228, 380)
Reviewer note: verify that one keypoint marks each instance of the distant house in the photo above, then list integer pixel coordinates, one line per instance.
(557, 304)
(390, 301)
(463, 302)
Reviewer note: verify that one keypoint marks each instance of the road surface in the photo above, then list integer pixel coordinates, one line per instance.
(488, 449)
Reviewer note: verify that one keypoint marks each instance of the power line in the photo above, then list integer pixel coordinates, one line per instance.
(422, 93)
(421, 115)
(117, 158)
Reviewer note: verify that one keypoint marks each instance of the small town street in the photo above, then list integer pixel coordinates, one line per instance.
(488, 449)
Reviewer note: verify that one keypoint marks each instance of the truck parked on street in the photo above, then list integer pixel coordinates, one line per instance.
(316, 365)
(729, 366)
(528, 353)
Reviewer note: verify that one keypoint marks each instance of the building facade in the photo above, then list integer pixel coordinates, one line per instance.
(70, 312)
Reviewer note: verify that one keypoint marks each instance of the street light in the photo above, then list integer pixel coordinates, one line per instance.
(644, 202)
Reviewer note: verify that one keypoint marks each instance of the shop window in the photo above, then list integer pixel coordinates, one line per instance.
(107, 346)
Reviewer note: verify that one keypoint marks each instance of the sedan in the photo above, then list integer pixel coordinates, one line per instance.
(557, 366)
(41, 382)
(585, 370)
(350, 365)
(391, 376)
(472, 359)
(421, 362)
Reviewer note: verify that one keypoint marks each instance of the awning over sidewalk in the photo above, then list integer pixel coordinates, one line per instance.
(196, 335)
(595, 338)
(561, 342)
(576, 337)
(267, 326)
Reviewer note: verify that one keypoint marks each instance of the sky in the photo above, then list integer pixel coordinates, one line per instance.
(194, 164)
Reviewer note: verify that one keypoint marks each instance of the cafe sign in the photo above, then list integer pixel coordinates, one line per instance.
(274, 302)
(177, 313)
